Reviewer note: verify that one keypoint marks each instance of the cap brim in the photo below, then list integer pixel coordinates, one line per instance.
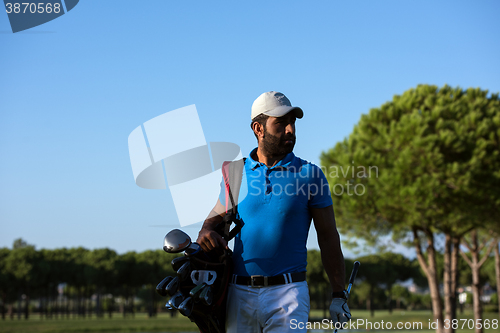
(280, 111)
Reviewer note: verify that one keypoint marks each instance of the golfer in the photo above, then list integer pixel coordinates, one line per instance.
(269, 290)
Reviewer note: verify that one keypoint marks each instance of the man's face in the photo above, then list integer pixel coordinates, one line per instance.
(279, 135)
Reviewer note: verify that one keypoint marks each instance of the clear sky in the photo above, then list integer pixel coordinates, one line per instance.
(73, 89)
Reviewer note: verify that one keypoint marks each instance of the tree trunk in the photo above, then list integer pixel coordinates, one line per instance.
(370, 302)
(98, 303)
(476, 293)
(74, 302)
(389, 299)
(153, 302)
(132, 308)
(56, 305)
(151, 305)
(10, 313)
(89, 304)
(447, 283)
(476, 290)
(2, 307)
(122, 307)
(111, 306)
(475, 263)
(19, 305)
(79, 302)
(429, 268)
(27, 307)
(68, 299)
(84, 303)
(455, 274)
(450, 277)
(43, 306)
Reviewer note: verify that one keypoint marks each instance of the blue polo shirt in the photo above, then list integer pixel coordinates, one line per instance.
(276, 215)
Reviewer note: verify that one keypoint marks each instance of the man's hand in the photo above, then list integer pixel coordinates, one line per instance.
(339, 311)
(210, 239)
(207, 237)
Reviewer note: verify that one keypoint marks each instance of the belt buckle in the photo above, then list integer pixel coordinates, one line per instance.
(252, 281)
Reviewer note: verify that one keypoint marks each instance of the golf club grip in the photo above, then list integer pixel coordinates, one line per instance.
(354, 272)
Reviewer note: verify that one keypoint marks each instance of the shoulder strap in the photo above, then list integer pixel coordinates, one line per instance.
(232, 171)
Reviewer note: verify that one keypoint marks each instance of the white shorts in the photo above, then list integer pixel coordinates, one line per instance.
(267, 309)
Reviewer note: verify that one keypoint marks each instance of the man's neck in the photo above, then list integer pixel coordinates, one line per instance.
(269, 160)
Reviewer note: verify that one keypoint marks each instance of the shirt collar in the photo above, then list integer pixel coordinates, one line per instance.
(283, 163)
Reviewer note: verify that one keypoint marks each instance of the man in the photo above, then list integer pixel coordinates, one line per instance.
(268, 292)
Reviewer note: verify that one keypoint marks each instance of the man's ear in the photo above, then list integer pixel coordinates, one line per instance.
(258, 129)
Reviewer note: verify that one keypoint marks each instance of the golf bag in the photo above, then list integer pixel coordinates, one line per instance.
(200, 287)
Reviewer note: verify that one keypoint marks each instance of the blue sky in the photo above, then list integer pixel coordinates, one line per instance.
(73, 89)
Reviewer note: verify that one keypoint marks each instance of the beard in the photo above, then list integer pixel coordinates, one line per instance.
(275, 146)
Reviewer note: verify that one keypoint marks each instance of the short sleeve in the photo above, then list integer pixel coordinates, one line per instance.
(319, 189)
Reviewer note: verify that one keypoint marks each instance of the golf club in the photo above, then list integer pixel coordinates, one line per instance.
(351, 281)
(186, 307)
(178, 262)
(196, 291)
(206, 295)
(160, 288)
(169, 308)
(184, 271)
(353, 276)
(177, 241)
(172, 286)
(176, 300)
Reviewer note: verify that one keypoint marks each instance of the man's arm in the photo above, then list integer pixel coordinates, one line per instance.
(207, 237)
(329, 244)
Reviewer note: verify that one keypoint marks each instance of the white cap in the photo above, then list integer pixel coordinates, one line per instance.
(274, 104)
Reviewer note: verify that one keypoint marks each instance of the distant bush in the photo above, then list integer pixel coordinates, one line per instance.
(490, 308)
(494, 299)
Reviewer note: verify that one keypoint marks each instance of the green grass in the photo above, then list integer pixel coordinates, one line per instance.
(140, 323)
(164, 323)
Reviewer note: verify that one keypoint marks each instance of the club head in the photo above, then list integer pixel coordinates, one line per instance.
(196, 291)
(178, 262)
(186, 307)
(161, 287)
(168, 307)
(172, 286)
(176, 300)
(184, 271)
(177, 241)
(206, 295)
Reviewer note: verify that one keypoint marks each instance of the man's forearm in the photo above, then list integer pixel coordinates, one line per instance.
(215, 217)
(212, 221)
(333, 261)
(208, 238)
(329, 243)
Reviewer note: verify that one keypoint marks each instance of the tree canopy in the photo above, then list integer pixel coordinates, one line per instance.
(427, 162)
(430, 156)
